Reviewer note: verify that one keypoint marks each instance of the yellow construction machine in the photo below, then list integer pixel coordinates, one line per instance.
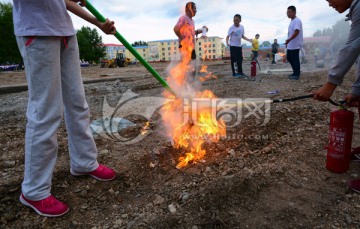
(119, 61)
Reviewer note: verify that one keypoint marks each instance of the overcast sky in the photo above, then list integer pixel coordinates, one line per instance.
(155, 19)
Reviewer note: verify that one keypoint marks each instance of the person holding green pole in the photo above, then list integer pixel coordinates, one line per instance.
(47, 42)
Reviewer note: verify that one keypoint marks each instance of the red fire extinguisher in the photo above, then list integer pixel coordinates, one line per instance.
(253, 68)
(340, 138)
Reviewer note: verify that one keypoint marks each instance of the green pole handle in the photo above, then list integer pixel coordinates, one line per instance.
(101, 18)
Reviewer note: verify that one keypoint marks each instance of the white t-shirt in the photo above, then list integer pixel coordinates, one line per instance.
(236, 34)
(187, 26)
(42, 18)
(298, 41)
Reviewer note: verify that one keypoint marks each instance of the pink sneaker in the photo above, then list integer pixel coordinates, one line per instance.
(354, 185)
(102, 173)
(50, 206)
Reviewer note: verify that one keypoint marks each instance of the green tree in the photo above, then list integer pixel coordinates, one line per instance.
(266, 44)
(8, 46)
(139, 43)
(341, 31)
(90, 42)
(317, 33)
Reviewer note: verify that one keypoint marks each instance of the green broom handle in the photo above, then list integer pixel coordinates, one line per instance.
(101, 18)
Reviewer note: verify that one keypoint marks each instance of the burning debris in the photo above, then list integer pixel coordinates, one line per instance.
(207, 76)
(188, 128)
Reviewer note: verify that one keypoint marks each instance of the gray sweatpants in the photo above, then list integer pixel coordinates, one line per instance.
(53, 74)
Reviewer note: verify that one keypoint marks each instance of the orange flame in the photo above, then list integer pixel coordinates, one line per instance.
(145, 128)
(208, 75)
(178, 117)
(203, 69)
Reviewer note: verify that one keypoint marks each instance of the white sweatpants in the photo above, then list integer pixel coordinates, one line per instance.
(52, 67)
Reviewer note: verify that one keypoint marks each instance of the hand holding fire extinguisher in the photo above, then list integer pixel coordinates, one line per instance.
(324, 93)
(352, 100)
(340, 131)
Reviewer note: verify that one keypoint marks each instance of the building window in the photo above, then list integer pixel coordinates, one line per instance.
(168, 43)
(143, 50)
(214, 56)
(199, 43)
(169, 48)
(209, 51)
(199, 49)
(163, 49)
(213, 45)
(163, 54)
(214, 51)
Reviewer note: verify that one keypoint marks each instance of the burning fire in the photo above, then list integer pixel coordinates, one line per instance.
(203, 69)
(189, 128)
(281, 56)
(145, 128)
(208, 75)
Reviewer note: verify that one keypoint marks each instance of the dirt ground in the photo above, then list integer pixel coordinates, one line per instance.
(272, 176)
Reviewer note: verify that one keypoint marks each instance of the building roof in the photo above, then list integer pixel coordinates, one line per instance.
(116, 45)
(140, 47)
(171, 40)
(323, 39)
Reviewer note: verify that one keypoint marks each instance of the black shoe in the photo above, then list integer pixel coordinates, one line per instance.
(355, 154)
(294, 77)
(355, 157)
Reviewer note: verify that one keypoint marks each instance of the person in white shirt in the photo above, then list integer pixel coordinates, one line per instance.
(294, 42)
(236, 32)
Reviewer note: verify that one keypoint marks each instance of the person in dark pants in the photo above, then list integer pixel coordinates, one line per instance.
(294, 42)
(255, 48)
(235, 34)
(274, 50)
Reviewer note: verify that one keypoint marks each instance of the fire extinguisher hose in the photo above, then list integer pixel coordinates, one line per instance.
(305, 97)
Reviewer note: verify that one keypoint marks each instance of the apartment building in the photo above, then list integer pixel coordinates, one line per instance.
(112, 49)
(210, 48)
(168, 50)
